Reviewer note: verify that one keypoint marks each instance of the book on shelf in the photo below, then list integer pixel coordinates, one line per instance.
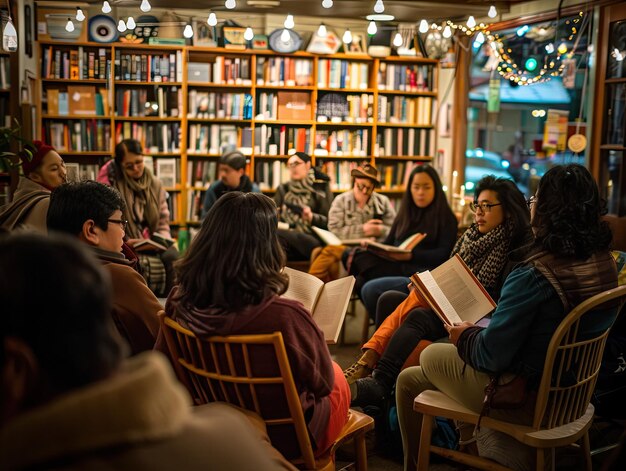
(453, 292)
(294, 105)
(82, 100)
(166, 171)
(284, 71)
(405, 77)
(338, 73)
(327, 302)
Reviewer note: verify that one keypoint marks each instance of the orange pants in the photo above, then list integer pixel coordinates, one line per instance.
(328, 263)
(339, 405)
(383, 334)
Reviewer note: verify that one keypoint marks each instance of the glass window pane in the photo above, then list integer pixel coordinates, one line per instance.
(613, 181)
(616, 63)
(615, 116)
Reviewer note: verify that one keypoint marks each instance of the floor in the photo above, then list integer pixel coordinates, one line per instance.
(601, 434)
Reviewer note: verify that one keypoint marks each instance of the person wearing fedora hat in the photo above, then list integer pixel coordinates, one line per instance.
(356, 214)
(44, 170)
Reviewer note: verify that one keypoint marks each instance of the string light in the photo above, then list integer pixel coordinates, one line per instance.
(379, 6)
(230, 4)
(347, 37)
(145, 6)
(397, 40)
(371, 28)
(249, 34)
(80, 16)
(289, 23)
(492, 13)
(106, 7)
(121, 26)
(562, 49)
(130, 23)
(321, 31)
(212, 19)
(549, 48)
(188, 32)
(327, 3)
(69, 27)
(423, 26)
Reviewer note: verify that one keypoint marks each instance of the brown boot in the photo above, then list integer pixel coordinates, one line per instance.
(363, 366)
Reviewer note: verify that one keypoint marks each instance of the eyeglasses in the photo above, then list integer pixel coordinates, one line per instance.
(121, 222)
(484, 207)
(532, 200)
(364, 188)
(295, 164)
(132, 165)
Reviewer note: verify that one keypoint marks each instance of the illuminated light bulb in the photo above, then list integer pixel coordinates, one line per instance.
(80, 16)
(562, 48)
(447, 32)
(347, 37)
(480, 38)
(106, 7)
(121, 26)
(423, 26)
(379, 6)
(492, 13)
(9, 37)
(371, 28)
(397, 40)
(549, 48)
(130, 23)
(145, 6)
(69, 27)
(321, 31)
(522, 31)
(289, 23)
(471, 22)
(249, 34)
(212, 19)
(230, 4)
(188, 32)
(327, 3)
(285, 36)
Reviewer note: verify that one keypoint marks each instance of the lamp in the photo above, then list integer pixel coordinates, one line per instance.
(145, 6)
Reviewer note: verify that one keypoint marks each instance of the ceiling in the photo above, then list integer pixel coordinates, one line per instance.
(403, 10)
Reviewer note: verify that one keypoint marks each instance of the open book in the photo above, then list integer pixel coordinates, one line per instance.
(148, 245)
(453, 292)
(327, 302)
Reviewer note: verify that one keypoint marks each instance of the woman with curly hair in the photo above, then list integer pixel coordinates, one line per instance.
(230, 282)
(569, 262)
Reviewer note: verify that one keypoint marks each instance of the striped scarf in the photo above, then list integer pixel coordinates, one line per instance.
(299, 193)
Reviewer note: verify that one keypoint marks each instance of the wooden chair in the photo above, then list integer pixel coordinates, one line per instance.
(563, 413)
(219, 369)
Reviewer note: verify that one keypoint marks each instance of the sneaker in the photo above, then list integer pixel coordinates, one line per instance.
(369, 392)
(357, 370)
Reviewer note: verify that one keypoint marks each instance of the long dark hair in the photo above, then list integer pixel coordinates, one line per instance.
(411, 219)
(236, 258)
(567, 217)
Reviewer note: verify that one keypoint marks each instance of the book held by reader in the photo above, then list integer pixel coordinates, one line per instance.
(327, 302)
(453, 292)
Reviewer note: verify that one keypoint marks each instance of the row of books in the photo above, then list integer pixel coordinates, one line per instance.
(161, 101)
(172, 205)
(269, 175)
(395, 176)
(77, 100)
(5, 72)
(283, 139)
(79, 171)
(78, 136)
(213, 105)
(167, 170)
(141, 67)
(336, 73)
(404, 77)
(154, 137)
(348, 108)
(339, 173)
(224, 70)
(75, 64)
(201, 173)
(280, 71)
(405, 110)
(214, 139)
(343, 142)
(284, 106)
(406, 142)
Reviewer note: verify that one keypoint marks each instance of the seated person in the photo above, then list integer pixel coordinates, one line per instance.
(67, 388)
(92, 212)
(356, 214)
(569, 262)
(44, 170)
(502, 225)
(231, 171)
(303, 202)
(238, 292)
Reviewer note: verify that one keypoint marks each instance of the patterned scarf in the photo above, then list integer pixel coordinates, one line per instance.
(485, 254)
(299, 193)
(142, 199)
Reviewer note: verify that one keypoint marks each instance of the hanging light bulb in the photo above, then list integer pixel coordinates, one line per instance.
(121, 26)
(321, 31)
(423, 26)
(9, 37)
(69, 27)
(130, 23)
(289, 23)
(480, 38)
(371, 28)
(145, 6)
(397, 40)
(327, 3)
(188, 32)
(379, 6)
(106, 7)
(492, 13)
(212, 19)
(80, 16)
(347, 37)
(285, 36)
(447, 32)
(230, 4)
(249, 34)
(471, 22)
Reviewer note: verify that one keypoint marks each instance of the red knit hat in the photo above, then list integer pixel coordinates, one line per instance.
(38, 153)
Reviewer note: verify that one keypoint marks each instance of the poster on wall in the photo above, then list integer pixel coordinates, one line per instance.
(555, 130)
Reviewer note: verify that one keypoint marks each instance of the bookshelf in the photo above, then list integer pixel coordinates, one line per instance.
(188, 105)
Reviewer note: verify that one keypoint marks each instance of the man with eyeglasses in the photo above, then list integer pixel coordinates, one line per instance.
(93, 212)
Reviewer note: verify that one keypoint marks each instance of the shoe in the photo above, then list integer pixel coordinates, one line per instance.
(363, 366)
(369, 392)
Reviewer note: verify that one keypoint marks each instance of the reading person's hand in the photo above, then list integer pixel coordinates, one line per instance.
(455, 331)
(307, 214)
(373, 228)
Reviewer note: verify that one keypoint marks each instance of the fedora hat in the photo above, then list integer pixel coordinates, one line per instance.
(366, 171)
